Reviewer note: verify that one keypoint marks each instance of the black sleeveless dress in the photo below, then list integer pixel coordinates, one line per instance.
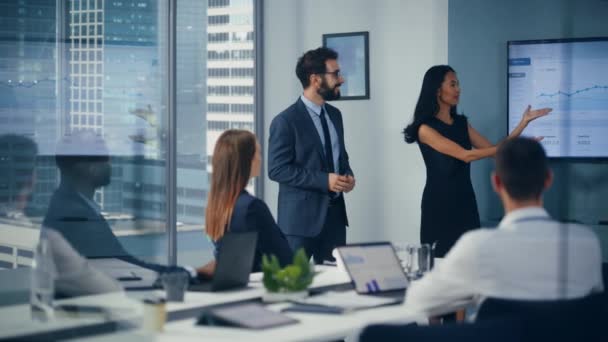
(449, 208)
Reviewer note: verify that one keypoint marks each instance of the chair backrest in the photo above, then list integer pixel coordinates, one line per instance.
(570, 319)
(491, 330)
(605, 275)
(605, 278)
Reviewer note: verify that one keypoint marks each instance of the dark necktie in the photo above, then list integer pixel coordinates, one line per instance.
(329, 155)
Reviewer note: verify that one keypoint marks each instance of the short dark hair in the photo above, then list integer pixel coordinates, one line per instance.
(313, 62)
(522, 166)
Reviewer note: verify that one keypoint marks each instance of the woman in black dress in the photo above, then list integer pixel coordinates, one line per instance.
(448, 144)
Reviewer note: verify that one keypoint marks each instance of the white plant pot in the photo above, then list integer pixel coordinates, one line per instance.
(275, 297)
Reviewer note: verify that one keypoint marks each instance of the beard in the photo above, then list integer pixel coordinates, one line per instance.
(100, 174)
(329, 93)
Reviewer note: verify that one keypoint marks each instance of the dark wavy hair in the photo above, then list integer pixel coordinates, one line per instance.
(427, 106)
(313, 62)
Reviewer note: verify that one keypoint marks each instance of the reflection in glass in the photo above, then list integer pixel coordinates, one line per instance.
(215, 83)
(101, 67)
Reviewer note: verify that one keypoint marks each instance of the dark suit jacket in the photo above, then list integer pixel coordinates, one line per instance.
(296, 160)
(88, 231)
(252, 214)
(83, 227)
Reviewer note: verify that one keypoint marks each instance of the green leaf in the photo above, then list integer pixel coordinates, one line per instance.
(294, 277)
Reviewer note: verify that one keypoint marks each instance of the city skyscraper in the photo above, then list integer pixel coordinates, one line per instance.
(231, 68)
(102, 66)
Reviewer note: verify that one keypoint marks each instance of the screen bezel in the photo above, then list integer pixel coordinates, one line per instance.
(553, 41)
(372, 244)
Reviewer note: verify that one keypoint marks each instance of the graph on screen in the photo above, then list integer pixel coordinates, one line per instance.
(571, 77)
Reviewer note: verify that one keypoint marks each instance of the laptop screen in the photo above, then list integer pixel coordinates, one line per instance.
(373, 267)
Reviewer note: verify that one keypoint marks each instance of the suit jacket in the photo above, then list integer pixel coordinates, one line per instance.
(81, 225)
(87, 231)
(252, 214)
(296, 160)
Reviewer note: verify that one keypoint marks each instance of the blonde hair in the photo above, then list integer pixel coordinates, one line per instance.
(232, 157)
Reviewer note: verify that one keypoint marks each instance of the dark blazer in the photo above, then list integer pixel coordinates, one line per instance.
(83, 227)
(296, 161)
(252, 214)
(88, 231)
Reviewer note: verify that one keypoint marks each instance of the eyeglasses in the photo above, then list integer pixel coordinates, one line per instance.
(335, 73)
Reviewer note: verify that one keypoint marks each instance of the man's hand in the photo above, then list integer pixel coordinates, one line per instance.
(338, 183)
(351, 183)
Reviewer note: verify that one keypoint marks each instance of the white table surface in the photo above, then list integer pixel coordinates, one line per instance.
(16, 320)
(311, 326)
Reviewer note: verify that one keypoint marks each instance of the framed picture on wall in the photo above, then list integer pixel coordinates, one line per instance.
(353, 57)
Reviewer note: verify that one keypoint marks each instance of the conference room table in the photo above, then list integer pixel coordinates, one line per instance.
(310, 326)
(182, 317)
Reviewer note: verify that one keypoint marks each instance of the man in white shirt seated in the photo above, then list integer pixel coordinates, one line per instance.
(525, 257)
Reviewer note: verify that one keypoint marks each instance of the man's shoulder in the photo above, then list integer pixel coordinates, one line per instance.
(479, 234)
(581, 231)
(289, 112)
(475, 239)
(64, 203)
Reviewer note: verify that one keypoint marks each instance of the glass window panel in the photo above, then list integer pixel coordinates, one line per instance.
(198, 92)
(121, 106)
(113, 87)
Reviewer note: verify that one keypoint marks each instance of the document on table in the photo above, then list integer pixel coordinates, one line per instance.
(349, 300)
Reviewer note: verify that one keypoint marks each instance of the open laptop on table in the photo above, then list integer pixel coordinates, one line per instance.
(374, 269)
(233, 264)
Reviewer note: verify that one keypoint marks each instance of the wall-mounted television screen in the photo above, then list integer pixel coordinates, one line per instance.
(570, 76)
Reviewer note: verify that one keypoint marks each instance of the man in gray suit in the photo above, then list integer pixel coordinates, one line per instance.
(307, 157)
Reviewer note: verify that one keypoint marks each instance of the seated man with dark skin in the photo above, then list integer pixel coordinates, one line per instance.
(74, 275)
(73, 211)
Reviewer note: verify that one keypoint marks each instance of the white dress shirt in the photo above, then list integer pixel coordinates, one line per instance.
(518, 260)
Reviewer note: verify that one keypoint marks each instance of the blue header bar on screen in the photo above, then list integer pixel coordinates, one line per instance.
(519, 61)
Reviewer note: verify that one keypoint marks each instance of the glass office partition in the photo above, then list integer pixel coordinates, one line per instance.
(215, 92)
(84, 111)
(82, 115)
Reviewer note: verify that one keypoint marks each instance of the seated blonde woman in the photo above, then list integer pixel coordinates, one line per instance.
(236, 159)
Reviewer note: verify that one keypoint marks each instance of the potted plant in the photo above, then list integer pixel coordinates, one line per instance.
(287, 283)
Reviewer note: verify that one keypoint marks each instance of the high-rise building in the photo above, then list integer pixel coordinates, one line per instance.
(102, 66)
(230, 82)
(28, 87)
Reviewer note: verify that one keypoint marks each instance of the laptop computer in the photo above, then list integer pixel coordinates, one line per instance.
(374, 269)
(233, 264)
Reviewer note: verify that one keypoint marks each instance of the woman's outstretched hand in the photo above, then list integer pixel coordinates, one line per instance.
(533, 114)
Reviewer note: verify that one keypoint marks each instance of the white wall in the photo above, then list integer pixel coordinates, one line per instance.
(406, 38)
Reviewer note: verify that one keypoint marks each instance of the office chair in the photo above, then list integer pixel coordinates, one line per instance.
(605, 294)
(553, 320)
(502, 330)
